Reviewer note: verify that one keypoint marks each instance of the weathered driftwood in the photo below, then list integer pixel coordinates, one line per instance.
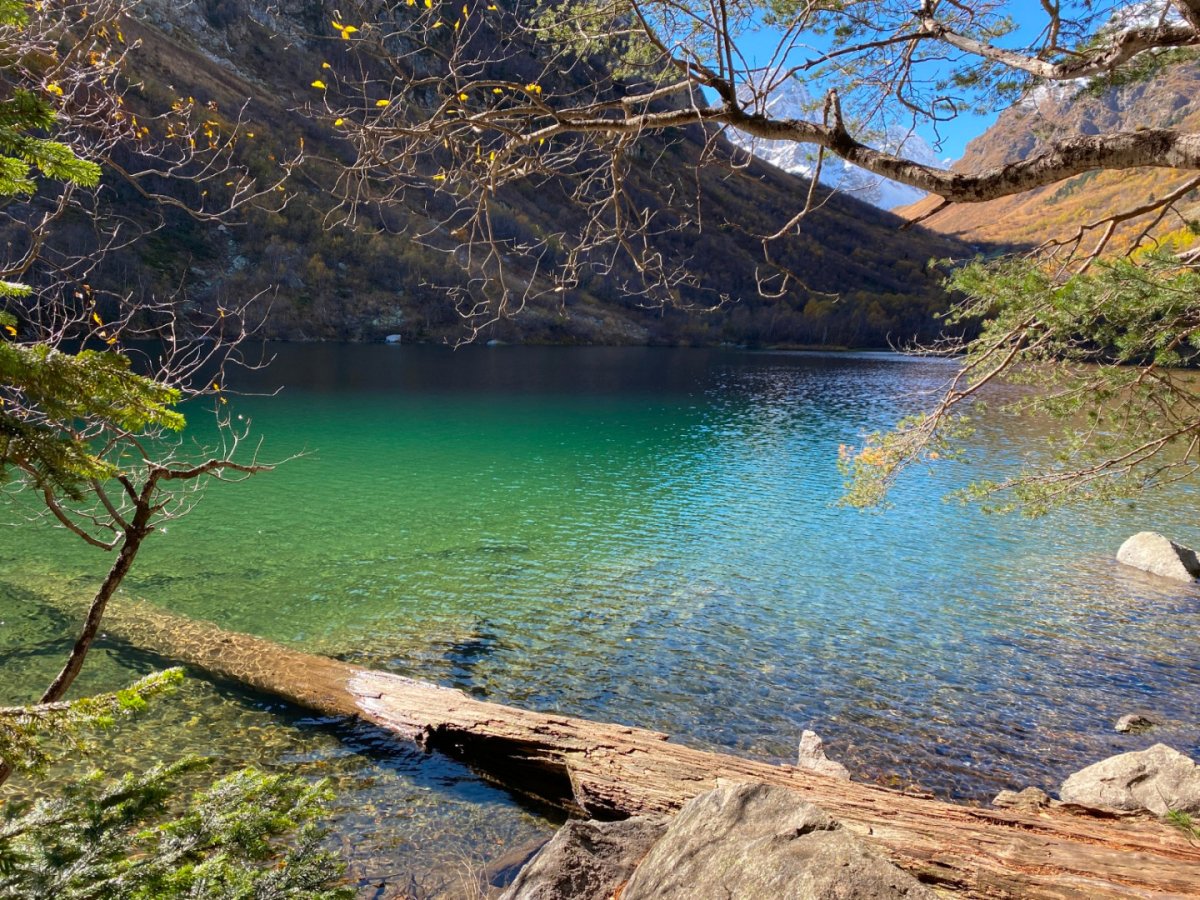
(609, 771)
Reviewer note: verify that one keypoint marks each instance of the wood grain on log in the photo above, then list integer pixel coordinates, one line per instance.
(612, 771)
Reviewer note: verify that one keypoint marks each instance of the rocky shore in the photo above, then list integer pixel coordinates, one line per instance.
(755, 840)
(746, 841)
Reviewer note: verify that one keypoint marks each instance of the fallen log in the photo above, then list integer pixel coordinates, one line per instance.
(612, 771)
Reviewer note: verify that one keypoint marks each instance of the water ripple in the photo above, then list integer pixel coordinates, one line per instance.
(652, 537)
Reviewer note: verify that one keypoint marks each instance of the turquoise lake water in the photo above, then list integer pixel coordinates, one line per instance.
(641, 535)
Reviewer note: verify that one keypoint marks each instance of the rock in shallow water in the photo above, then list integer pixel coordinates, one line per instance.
(812, 756)
(1134, 723)
(1152, 552)
(1159, 779)
(752, 841)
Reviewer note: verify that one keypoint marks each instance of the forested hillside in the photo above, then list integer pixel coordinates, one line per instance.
(862, 281)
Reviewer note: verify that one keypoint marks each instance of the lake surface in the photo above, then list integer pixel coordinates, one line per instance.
(641, 535)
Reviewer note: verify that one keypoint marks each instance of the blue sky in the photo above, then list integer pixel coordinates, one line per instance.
(953, 135)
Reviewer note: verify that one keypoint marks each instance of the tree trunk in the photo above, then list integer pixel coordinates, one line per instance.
(134, 535)
(613, 771)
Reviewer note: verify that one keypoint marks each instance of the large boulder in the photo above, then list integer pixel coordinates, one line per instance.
(811, 755)
(751, 841)
(586, 860)
(1158, 779)
(1154, 553)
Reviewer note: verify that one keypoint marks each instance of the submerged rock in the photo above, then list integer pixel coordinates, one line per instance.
(1134, 723)
(586, 860)
(1152, 552)
(1159, 779)
(764, 841)
(812, 756)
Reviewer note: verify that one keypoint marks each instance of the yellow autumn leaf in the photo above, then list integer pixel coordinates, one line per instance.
(438, 24)
(96, 318)
(382, 103)
(10, 330)
(497, 90)
(319, 84)
(326, 65)
(54, 89)
(337, 26)
(216, 386)
(337, 122)
(462, 97)
(347, 31)
(439, 177)
(429, 4)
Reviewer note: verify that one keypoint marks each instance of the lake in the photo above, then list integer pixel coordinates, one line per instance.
(648, 536)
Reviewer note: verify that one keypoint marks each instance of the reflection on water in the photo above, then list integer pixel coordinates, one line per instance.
(646, 536)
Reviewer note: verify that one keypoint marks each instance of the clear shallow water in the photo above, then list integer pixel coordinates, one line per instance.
(645, 536)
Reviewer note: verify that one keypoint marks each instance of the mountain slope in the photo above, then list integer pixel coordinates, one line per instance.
(1170, 99)
(336, 283)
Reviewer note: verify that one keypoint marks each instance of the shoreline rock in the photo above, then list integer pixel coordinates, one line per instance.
(738, 840)
(586, 859)
(811, 755)
(1158, 780)
(760, 840)
(1154, 553)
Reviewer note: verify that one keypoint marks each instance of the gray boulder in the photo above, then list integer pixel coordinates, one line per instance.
(586, 860)
(812, 756)
(1158, 779)
(758, 841)
(1154, 553)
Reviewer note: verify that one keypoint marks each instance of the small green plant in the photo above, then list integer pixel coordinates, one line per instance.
(248, 834)
(1184, 822)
